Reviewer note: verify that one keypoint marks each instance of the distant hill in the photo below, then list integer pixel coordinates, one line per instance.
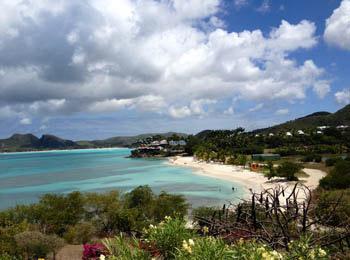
(25, 142)
(20, 142)
(125, 141)
(341, 117)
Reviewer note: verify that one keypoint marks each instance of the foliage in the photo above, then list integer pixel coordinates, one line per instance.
(8, 243)
(57, 212)
(288, 170)
(204, 248)
(332, 161)
(302, 250)
(251, 250)
(338, 178)
(310, 157)
(200, 214)
(122, 248)
(168, 236)
(80, 233)
(38, 245)
(332, 207)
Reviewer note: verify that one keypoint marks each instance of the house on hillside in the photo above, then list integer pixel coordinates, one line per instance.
(289, 134)
(301, 132)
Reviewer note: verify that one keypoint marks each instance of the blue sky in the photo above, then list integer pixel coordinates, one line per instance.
(99, 68)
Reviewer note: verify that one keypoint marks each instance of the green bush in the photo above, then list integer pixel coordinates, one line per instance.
(204, 248)
(205, 213)
(168, 236)
(121, 248)
(327, 211)
(80, 233)
(338, 178)
(288, 170)
(301, 249)
(253, 251)
(332, 161)
(37, 245)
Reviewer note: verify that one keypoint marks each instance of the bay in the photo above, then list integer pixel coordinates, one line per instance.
(24, 177)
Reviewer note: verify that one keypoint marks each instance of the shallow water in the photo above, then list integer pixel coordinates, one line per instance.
(26, 176)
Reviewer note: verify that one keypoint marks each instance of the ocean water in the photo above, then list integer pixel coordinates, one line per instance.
(24, 177)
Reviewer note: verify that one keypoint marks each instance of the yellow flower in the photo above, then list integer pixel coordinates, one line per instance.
(191, 242)
(205, 230)
(167, 218)
(151, 226)
(321, 252)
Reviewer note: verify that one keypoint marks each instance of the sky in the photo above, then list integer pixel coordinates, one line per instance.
(92, 69)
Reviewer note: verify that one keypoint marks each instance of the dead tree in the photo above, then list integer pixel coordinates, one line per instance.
(275, 217)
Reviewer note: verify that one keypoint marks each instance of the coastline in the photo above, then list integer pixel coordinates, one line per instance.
(251, 181)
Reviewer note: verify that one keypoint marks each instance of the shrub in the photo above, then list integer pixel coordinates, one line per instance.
(332, 161)
(121, 248)
(288, 170)
(81, 233)
(8, 243)
(338, 178)
(253, 251)
(169, 205)
(37, 245)
(204, 213)
(330, 214)
(302, 250)
(168, 236)
(204, 248)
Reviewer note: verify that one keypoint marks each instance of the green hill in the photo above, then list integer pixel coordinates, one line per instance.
(126, 141)
(341, 117)
(23, 142)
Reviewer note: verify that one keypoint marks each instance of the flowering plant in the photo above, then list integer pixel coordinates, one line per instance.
(93, 251)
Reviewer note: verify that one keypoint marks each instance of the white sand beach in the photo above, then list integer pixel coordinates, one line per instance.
(248, 179)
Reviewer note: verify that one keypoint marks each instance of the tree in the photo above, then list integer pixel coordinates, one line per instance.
(37, 245)
(288, 170)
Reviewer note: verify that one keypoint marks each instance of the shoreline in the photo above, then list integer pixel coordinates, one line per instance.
(64, 150)
(249, 180)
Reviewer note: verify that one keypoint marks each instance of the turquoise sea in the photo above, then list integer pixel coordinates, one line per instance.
(26, 176)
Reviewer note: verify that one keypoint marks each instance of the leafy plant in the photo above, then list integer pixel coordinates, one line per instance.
(122, 248)
(168, 236)
(204, 248)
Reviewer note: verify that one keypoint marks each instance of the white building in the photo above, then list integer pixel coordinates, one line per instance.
(289, 134)
(301, 132)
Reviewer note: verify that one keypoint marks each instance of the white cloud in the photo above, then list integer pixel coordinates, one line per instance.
(179, 112)
(25, 121)
(337, 30)
(322, 88)
(167, 57)
(282, 111)
(343, 97)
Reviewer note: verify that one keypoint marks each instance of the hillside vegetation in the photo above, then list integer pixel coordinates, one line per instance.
(341, 117)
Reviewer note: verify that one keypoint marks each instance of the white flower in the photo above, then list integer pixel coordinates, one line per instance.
(102, 257)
